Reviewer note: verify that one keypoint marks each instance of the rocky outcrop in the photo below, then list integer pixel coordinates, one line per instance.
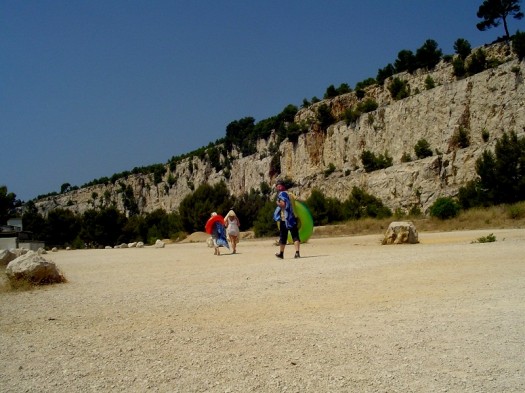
(484, 106)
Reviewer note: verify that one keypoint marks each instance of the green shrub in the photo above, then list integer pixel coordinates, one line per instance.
(196, 207)
(324, 210)
(399, 89)
(344, 88)
(429, 82)
(460, 138)
(295, 130)
(486, 239)
(78, 244)
(328, 171)
(275, 165)
(462, 48)
(406, 157)
(365, 83)
(351, 115)
(470, 195)
(458, 65)
(399, 214)
(367, 105)
(516, 211)
(501, 175)
(384, 73)
(371, 162)
(518, 44)
(325, 117)
(360, 93)
(485, 135)
(422, 149)
(429, 55)
(264, 225)
(247, 206)
(331, 92)
(415, 212)
(406, 61)
(444, 208)
(214, 157)
(477, 63)
(360, 204)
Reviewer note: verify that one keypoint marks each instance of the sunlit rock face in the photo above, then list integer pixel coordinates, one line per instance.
(484, 106)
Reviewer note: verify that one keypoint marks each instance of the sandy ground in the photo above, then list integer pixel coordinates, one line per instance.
(445, 315)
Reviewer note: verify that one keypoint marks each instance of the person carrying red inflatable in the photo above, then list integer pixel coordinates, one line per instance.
(215, 227)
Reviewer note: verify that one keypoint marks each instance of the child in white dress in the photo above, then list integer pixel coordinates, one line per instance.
(232, 224)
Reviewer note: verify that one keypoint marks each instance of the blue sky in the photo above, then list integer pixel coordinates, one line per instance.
(93, 88)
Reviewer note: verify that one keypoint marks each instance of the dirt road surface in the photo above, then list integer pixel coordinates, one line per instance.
(444, 315)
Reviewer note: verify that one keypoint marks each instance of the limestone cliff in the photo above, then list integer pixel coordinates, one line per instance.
(488, 103)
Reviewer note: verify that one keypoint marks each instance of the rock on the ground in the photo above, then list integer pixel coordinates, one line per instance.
(401, 232)
(33, 268)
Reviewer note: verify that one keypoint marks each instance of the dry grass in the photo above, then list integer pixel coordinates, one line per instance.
(24, 284)
(496, 217)
(7, 286)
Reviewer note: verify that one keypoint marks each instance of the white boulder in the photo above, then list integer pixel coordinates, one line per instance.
(401, 232)
(32, 267)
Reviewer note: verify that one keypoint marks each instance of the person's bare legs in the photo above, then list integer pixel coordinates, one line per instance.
(233, 240)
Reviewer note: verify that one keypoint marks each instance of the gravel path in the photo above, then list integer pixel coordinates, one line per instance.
(445, 315)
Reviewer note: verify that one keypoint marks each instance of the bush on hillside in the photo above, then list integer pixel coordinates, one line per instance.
(324, 210)
(361, 204)
(371, 162)
(460, 139)
(458, 65)
(406, 61)
(385, 73)
(501, 175)
(444, 208)
(325, 117)
(264, 225)
(406, 157)
(429, 83)
(399, 89)
(195, 209)
(462, 48)
(477, 62)
(428, 55)
(422, 149)
(518, 44)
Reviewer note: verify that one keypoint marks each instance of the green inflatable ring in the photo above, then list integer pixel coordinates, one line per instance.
(305, 222)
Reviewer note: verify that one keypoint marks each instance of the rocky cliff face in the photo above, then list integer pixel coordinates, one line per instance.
(489, 103)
